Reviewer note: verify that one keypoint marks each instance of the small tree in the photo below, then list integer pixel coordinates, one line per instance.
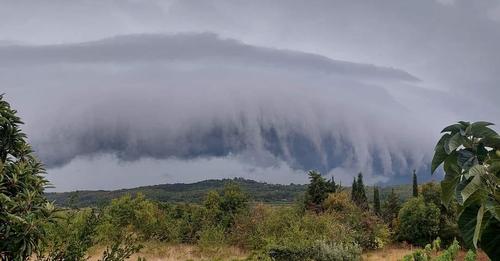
(317, 191)
(470, 154)
(23, 206)
(418, 221)
(376, 201)
(415, 184)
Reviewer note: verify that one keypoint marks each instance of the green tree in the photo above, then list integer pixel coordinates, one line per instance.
(333, 187)
(470, 154)
(317, 191)
(415, 184)
(23, 207)
(418, 221)
(354, 190)
(391, 208)
(376, 201)
(359, 191)
(448, 228)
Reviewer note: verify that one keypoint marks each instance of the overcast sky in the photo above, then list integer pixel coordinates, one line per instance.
(126, 93)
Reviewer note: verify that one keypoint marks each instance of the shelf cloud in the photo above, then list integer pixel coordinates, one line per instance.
(168, 101)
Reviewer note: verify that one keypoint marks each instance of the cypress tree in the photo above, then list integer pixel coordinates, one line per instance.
(354, 191)
(415, 184)
(376, 200)
(362, 199)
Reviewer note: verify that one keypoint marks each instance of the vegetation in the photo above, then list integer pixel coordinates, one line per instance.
(329, 223)
(23, 207)
(470, 153)
(415, 184)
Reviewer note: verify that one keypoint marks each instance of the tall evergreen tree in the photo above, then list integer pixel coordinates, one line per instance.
(317, 191)
(391, 208)
(362, 200)
(333, 187)
(354, 191)
(415, 184)
(376, 201)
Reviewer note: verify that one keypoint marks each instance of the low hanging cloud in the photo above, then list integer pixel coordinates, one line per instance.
(197, 96)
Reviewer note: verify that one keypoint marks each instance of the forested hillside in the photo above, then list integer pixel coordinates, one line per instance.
(195, 193)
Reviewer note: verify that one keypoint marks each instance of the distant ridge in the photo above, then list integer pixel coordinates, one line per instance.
(195, 192)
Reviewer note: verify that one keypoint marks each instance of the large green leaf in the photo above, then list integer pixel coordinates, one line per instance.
(454, 128)
(492, 141)
(477, 230)
(479, 129)
(439, 153)
(451, 178)
(473, 186)
(467, 224)
(453, 143)
(476, 170)
(490, 238)
(466, 159)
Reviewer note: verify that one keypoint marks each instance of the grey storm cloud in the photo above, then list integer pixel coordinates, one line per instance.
(187, 48)
(196, 95)
(251, 87)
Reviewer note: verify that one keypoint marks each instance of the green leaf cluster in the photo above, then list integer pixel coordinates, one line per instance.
(23, 206)
(470, 155)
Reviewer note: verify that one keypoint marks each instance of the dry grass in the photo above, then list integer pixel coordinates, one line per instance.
(397, 252)
(389, 253)
(155, 251)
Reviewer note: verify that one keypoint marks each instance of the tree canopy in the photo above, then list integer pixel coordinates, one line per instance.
(23, 206)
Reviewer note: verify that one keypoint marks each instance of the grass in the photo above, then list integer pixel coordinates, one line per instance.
(155, 251)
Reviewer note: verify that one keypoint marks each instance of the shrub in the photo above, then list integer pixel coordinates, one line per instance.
(470, 256)
(70, 236)
(450, 253)
(212, 237)
(418, 222)
(319, 251)
(368, 229)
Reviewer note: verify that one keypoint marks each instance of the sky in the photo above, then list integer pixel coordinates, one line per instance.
(118, 94)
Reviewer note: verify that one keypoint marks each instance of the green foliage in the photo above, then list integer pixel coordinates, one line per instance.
(185, 193)
(450, 253)
(415, 184)
(121, 249)
(317, 191)
(358, 193)
(319, 251)
(418, 221)
(212, 237)
(70, 236)
(376, 201)
(391, 209)
(23, 207)
(448, 227)
(426, 254)
(470, 256)
(368, 230)
(470, 154)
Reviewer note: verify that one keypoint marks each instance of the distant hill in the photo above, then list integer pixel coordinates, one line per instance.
(195, 192)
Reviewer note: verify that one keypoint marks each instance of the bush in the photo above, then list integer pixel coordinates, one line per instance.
(319, 251)
(70, 236)
(418, 221)
(368, 230)
(211, 237)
